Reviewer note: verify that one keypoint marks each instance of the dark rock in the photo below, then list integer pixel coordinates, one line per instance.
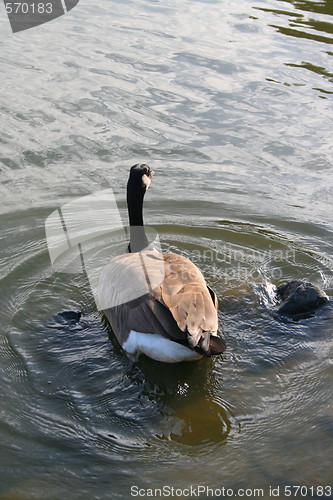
(68, 317)
(299, 299)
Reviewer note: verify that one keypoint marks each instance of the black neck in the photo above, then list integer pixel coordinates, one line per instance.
(138, 238)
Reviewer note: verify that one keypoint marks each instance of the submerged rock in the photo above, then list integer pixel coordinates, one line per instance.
(300, 299)
(68, 317)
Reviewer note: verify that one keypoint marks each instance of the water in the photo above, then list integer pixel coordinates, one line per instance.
(231, 105)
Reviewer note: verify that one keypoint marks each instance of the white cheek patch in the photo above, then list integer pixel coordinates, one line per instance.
(146, 180)
(157, 347)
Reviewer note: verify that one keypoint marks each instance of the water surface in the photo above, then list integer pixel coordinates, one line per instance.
(231, 105)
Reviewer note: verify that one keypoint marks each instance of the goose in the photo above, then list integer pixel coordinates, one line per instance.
(174, 317)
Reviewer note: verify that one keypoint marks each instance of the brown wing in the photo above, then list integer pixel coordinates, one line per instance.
(177, 305)
(185, 294)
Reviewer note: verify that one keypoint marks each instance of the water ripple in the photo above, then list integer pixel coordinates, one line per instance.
(230, 105)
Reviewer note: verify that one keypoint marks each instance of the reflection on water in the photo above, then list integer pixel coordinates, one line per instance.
(235, 118)
(185, 397)
(321, 7)
(311, 67)
(315, 26)
(298, 19)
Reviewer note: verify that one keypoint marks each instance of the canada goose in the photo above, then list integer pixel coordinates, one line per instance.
(176, 319)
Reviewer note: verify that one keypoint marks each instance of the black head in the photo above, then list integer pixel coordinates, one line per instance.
(141, 174)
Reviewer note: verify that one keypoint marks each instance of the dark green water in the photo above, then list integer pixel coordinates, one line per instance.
(231, 105)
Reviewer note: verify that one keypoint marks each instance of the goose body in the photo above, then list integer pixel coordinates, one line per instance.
(161, 304)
